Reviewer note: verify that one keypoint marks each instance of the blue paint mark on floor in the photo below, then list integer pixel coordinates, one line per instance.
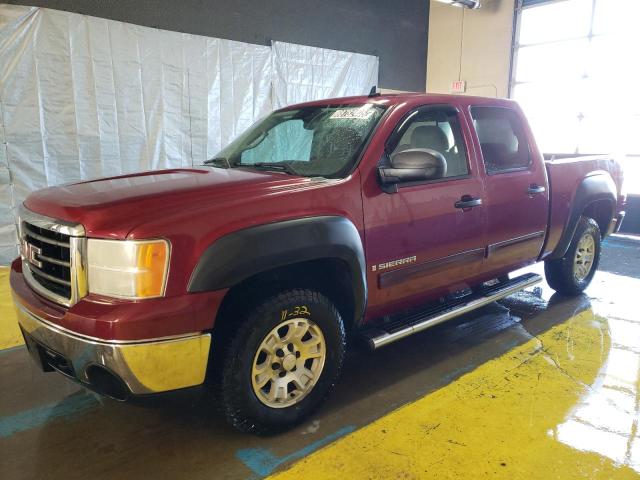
(625, 245)
(262, 462)
(70, 407)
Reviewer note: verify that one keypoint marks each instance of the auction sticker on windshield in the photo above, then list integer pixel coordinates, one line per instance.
(361, 113)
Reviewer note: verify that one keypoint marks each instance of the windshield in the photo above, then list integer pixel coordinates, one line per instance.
(309, 141)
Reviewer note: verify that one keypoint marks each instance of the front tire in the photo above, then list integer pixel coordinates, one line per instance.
(571, 274)
(282, 361)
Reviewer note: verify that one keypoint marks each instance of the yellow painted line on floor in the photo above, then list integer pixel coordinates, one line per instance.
(9, 332)
(531, 413)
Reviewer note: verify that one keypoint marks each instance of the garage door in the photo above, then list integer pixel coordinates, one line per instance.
(576, 69)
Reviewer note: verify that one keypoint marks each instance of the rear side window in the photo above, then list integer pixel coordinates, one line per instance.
(502, 139)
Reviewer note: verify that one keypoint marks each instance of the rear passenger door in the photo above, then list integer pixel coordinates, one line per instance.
(516, 194)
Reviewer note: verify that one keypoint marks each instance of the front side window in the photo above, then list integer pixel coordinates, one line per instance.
(310, 141)
(502, 139)
(437, 129)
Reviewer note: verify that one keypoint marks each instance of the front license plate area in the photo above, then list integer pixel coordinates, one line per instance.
(48, 360)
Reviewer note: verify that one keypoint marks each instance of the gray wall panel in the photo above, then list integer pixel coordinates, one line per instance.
(395, 31)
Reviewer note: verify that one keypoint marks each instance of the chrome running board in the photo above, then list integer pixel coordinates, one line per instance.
(401, 327)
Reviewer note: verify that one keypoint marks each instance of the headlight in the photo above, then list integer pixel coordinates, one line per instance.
(128, 268)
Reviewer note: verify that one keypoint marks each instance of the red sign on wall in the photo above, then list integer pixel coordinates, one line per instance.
(458, 86)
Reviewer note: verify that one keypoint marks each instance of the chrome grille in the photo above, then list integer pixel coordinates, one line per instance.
(50, 260)
(53, 257)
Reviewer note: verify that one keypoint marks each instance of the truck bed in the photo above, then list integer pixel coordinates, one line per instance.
(565, 173)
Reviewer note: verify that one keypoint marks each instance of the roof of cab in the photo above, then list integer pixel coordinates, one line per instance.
(411, 99)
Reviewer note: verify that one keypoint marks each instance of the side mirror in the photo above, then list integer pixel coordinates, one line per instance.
(413, 165)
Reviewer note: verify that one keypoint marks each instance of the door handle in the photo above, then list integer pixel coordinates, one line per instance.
(535, 189)
(467, 202)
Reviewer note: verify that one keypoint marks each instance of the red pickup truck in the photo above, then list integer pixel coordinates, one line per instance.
(367, 217)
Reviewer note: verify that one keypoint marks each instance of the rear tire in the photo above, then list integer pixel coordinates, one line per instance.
(571, 274)
(281, 362)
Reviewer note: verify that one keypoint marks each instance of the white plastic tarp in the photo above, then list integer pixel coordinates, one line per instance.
(302, 73)
(83, 97)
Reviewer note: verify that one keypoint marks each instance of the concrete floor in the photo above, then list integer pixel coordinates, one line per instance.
(535, 386)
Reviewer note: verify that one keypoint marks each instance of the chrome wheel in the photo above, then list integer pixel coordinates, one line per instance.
(583, 260)
(288, 363)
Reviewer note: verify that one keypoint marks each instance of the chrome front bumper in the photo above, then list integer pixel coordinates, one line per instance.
(144, 367)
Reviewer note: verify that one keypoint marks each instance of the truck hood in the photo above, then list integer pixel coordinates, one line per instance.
(112, 207)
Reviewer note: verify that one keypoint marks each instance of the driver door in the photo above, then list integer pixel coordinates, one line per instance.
(421, 243)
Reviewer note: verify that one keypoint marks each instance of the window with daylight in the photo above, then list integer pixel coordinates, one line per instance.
(575, 76)
(502, 139)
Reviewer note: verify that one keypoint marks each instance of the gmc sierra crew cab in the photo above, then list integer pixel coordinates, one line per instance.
(353, 218)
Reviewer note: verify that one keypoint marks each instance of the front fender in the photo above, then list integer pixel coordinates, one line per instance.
(242, 254)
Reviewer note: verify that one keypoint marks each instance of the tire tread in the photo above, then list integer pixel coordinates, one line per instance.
(232, 394)
(559, 272)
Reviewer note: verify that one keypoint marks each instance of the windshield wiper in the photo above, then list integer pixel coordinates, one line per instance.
(280, 166)
(218, 162)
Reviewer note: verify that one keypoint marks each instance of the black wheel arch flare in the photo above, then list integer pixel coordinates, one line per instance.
(240, 255)
(593, 188)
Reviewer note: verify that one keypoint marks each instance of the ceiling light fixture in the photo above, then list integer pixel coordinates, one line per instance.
(471, 4)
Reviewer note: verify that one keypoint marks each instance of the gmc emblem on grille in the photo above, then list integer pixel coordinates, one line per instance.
(31, 253)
